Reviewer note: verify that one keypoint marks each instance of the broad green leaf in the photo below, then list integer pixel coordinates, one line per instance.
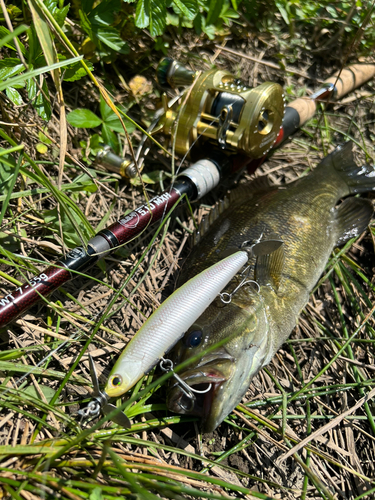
(110, 137)
(7, 38)
(42, 104)
(87, 5)
(44, 138)
(83, 118)
(85, 23)
(86, 182)
(104, 13)
(76, 71)
(110, 118)
(214, 11)
(189, 8)
(58, 14)
(30, 74)
(114, 123)
(111, 37)
(10, 241)
(142, 12)
(41, 148)
(158, 17)
(198, 23)
(9, 67)
(96, 494)
(208, 29)
(48, 392)
(14, 96)
(283, 11)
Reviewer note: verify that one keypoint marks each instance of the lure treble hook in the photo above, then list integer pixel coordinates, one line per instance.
(100, 404)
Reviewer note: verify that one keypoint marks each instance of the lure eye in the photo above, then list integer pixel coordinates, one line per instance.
(116, 380)
(194, 338)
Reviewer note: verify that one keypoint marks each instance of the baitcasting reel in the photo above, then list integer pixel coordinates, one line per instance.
(220, 110)
(216, 113)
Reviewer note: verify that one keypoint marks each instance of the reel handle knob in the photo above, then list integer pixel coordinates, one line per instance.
(170, 73)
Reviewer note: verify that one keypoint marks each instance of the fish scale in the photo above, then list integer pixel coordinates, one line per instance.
(306, 217)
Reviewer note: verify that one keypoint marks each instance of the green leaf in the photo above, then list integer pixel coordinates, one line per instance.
(86, 182)
(44, 138)
(14, 96)
(104, 13)
(85, 23)
(10, 67)
(158, 17)
(30, 74)
(45, 39)
(114, 123)
(83, 118)
(198, 26)
(189, 8)
(7, 38)
(71, 238)
(208, 29)
(111, 37)
(48, 392)
(75, 72)
(10, 242)
(42, 104)
(96, 494)
(110, 137)
(282, 11)
(142, 10)
(214, 11)
(41, 148)
(58, 14)
(110, 118)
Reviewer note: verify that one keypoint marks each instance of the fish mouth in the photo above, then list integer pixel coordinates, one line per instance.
(205, 382)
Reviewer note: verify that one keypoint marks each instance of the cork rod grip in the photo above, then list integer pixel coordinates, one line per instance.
(351, 78)
(305, 108)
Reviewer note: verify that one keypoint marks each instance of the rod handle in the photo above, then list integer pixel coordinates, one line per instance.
(351, 78)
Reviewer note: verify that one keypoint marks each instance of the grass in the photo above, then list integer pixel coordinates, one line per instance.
(306, 427)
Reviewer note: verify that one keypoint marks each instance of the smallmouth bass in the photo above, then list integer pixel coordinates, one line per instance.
(305, 216)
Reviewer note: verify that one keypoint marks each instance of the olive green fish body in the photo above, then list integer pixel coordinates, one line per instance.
(261, 316)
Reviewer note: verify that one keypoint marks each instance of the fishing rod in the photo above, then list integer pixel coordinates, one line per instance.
(240, 125)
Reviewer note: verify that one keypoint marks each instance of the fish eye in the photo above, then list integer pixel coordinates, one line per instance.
(194, 338)
(116, 380)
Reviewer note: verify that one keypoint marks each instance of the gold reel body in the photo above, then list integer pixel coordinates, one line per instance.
(220, 110)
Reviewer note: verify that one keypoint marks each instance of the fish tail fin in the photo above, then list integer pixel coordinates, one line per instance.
(359, 179)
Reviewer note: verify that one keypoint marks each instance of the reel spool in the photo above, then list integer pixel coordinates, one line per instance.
(220, 110)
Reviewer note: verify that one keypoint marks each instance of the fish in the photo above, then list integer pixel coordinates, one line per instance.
(169, 322)
(309, 219)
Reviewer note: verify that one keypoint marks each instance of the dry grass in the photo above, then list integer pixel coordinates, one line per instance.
(305, 428)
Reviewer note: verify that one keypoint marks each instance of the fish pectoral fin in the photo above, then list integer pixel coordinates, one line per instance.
(269, 268)
(266, 247)
(353, 216)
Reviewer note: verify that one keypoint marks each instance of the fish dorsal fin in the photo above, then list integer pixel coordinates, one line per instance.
(353, 216)
(246, 191)
(210, 218)
(269, 268)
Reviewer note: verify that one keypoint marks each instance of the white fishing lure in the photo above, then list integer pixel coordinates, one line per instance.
(165, 327)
